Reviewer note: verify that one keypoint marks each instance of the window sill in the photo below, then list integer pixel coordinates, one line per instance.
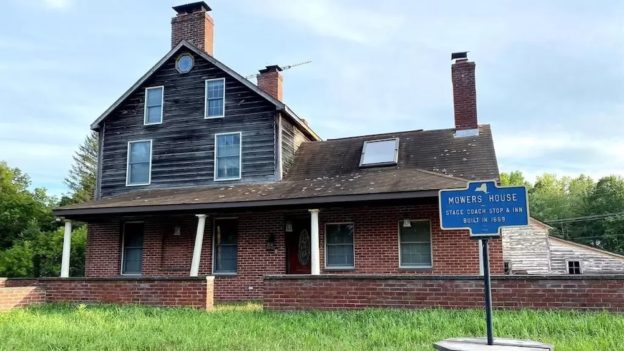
(416, 269)
(226, 179)
(213, 117)
(339, 269)
(225, 274)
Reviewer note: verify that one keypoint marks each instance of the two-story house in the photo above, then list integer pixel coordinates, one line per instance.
(202, 172)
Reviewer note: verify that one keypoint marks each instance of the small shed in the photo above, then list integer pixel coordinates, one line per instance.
(531, 250)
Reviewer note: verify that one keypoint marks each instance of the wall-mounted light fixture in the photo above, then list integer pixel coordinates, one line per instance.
(177, 230)
(407, 223)
(289, 227)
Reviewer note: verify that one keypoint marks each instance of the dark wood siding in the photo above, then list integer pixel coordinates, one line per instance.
(292, 137)
(183, 145)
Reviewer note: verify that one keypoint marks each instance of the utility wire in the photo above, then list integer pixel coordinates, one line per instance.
(584, 218)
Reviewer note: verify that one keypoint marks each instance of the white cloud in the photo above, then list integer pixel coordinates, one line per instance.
(355, 23)
(58, 4)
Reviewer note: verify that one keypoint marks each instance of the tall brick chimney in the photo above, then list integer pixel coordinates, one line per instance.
(270, 80)
(464, 91)
(193, 24)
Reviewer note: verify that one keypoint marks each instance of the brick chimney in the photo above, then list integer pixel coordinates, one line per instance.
(193, 24)
(270, 80)
(464, 91)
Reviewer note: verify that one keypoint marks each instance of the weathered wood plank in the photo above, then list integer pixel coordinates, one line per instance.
(183, 145)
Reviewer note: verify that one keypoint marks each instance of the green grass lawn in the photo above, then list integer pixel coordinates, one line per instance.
(248, 327)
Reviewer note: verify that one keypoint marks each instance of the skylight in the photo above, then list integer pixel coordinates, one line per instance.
(382, 152)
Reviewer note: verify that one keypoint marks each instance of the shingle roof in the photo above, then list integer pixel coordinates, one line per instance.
(439, 151)
(326, 172)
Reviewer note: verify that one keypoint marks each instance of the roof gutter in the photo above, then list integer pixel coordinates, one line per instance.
(322, 200)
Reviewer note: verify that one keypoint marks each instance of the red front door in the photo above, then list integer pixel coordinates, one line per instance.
(298, 247)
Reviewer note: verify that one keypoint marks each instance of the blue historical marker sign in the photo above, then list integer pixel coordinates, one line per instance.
(483, 208)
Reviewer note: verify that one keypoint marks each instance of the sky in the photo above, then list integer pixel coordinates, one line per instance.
(550, 74)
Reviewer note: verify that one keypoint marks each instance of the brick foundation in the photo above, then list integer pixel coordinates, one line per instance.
(338, 292)
(376, 246)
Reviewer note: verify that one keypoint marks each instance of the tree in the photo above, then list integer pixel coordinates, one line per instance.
(82, 175)
(20, 209)
(607, 198)
(514, 178)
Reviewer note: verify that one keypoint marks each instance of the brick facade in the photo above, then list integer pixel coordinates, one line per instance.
(376, 246)
(464, 94)
(508, 292)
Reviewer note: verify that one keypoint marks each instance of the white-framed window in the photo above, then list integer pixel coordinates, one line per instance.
(215, 98)
(154, 102)
(139, 167)
(225, 246)
(383, 152)
(415, 244)
(132, 248)
(228, 156)
(339, 246)
(574, 267)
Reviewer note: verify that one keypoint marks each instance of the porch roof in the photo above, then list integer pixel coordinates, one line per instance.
(362, 185)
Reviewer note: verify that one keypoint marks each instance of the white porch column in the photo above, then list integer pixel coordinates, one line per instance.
(314, 252)
(66, 249)
(199, 240)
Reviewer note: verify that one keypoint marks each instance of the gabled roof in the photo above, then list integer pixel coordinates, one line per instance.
(280, 106)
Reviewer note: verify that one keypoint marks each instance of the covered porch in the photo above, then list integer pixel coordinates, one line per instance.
(241, 246)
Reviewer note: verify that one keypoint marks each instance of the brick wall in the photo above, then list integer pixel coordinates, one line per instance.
(169, 292)
(513, 292)
(20, 297)
(376, 246)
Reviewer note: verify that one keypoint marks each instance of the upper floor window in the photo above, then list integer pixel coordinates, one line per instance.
(154, 105)
(414, 244)
(380, 152)
(227, 156)
(215, 98)
(139, 166)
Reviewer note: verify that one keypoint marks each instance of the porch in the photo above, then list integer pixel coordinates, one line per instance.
(241, 247)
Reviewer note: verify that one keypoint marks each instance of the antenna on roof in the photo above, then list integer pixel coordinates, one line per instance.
(283, 68)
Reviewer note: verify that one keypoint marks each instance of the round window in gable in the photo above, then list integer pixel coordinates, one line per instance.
(184, 63)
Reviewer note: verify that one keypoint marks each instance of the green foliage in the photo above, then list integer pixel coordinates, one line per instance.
(31, 242)
(82, 176)
(17, 260)
(21, 209)
(107, 327)
(513, 178)
(41, 255)
(578, 208)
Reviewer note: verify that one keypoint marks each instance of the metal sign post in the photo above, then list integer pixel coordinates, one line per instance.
(487, 290)
(483, 208)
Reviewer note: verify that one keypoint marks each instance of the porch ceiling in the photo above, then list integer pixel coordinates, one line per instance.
(363, 185)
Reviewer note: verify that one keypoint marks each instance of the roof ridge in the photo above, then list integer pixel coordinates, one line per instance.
(378, 134)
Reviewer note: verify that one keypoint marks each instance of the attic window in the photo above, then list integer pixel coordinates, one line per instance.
(382, 152)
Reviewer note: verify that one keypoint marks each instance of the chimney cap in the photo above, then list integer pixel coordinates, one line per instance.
(271, 68)
(192, 7)
(461, 55)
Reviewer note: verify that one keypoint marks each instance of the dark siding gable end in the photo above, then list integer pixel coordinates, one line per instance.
(183, 145)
